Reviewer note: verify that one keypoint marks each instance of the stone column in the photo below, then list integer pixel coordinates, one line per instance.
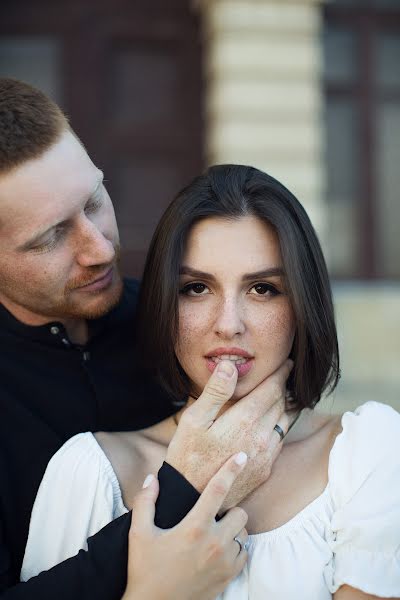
(263, 91)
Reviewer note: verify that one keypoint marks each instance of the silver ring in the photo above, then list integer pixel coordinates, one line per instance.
(239, 541)
(279, 430)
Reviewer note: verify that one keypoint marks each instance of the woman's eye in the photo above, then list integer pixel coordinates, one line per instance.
(264, 289)
(195, 289)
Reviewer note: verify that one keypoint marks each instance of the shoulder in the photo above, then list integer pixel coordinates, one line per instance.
(79, 495)
(78, 477)
(370, 414)
(131, 289)
(367, 448)
(124, 312)
(129, 297)
(364, 481)
(122, 450)
(80, 455)
(372, 430)
(120, 447)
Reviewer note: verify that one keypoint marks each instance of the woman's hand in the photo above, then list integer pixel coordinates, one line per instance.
(345, 592)
(197, 558)
(204, 440)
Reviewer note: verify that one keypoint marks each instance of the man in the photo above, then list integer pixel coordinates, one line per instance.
(68, 365)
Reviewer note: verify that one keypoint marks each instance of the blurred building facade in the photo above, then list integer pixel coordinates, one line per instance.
(306, 90)
(128, 75)
(309, 91)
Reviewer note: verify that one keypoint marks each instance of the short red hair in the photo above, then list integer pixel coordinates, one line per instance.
(29, 123)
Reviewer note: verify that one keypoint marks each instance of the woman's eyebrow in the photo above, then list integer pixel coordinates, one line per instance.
(268, 272)
(184, 270)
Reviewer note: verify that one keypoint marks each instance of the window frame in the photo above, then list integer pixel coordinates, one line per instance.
(366, 21)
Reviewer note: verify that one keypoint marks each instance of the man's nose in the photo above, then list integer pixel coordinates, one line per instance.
(94, 248)
(229, 321)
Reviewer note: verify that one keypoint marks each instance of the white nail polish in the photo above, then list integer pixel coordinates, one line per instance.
(241, 458)
(149, 479)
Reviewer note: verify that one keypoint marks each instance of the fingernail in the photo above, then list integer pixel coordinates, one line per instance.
(225, 369)
(241, 458)
(149, 479)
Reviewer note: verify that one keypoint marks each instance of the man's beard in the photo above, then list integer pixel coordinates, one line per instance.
(107, 298)
(95, 310)
(68, 303)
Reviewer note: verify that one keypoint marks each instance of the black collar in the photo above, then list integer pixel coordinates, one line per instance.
(55, 333)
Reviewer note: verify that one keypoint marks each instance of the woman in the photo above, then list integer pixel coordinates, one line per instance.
(235, 273)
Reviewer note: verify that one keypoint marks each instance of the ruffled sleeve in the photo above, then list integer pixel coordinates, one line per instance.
(364, 478)
(79, 495)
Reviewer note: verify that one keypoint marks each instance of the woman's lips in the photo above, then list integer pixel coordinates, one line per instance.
(243, 365)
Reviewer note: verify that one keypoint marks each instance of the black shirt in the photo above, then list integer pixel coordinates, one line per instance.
(51, 389)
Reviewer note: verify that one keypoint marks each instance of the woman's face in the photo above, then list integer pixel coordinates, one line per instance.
(232, 302)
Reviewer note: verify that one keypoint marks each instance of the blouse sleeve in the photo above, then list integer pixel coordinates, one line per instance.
(364, 477)
(79, 495)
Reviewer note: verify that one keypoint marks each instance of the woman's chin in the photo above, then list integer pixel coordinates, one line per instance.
(245, 386)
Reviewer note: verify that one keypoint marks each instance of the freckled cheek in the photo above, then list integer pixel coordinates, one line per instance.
(194, 324)
(48, 274)
(285, 329)
(275, 331)
(32, 271)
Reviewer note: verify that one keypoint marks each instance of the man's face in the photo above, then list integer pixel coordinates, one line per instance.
(59, 242)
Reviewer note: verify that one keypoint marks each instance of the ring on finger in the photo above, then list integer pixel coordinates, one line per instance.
(280, 431)
(242, 545)
(239, 541)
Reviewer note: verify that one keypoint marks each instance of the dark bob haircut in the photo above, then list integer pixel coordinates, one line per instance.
(232, 192)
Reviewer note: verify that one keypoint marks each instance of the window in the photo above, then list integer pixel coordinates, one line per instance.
(362, 87)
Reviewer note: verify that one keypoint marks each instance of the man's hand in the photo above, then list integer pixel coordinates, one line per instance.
(203, 442)
(194, 560)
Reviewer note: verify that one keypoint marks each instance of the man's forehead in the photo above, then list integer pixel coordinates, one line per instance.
(46, 188)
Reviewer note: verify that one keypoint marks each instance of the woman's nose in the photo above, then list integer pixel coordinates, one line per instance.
(229, 321)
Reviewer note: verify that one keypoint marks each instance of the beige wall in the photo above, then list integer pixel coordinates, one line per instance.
(263, 99)
(264, 104)
(368, 318)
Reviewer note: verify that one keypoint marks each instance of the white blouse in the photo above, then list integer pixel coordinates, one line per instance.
(349, 534)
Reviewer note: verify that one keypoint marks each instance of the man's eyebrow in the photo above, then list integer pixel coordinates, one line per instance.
(268, 272)
(36, 238)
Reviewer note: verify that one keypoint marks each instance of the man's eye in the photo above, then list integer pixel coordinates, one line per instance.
(264, 289)
(92, 206)
(50, 243)
(195, 289)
